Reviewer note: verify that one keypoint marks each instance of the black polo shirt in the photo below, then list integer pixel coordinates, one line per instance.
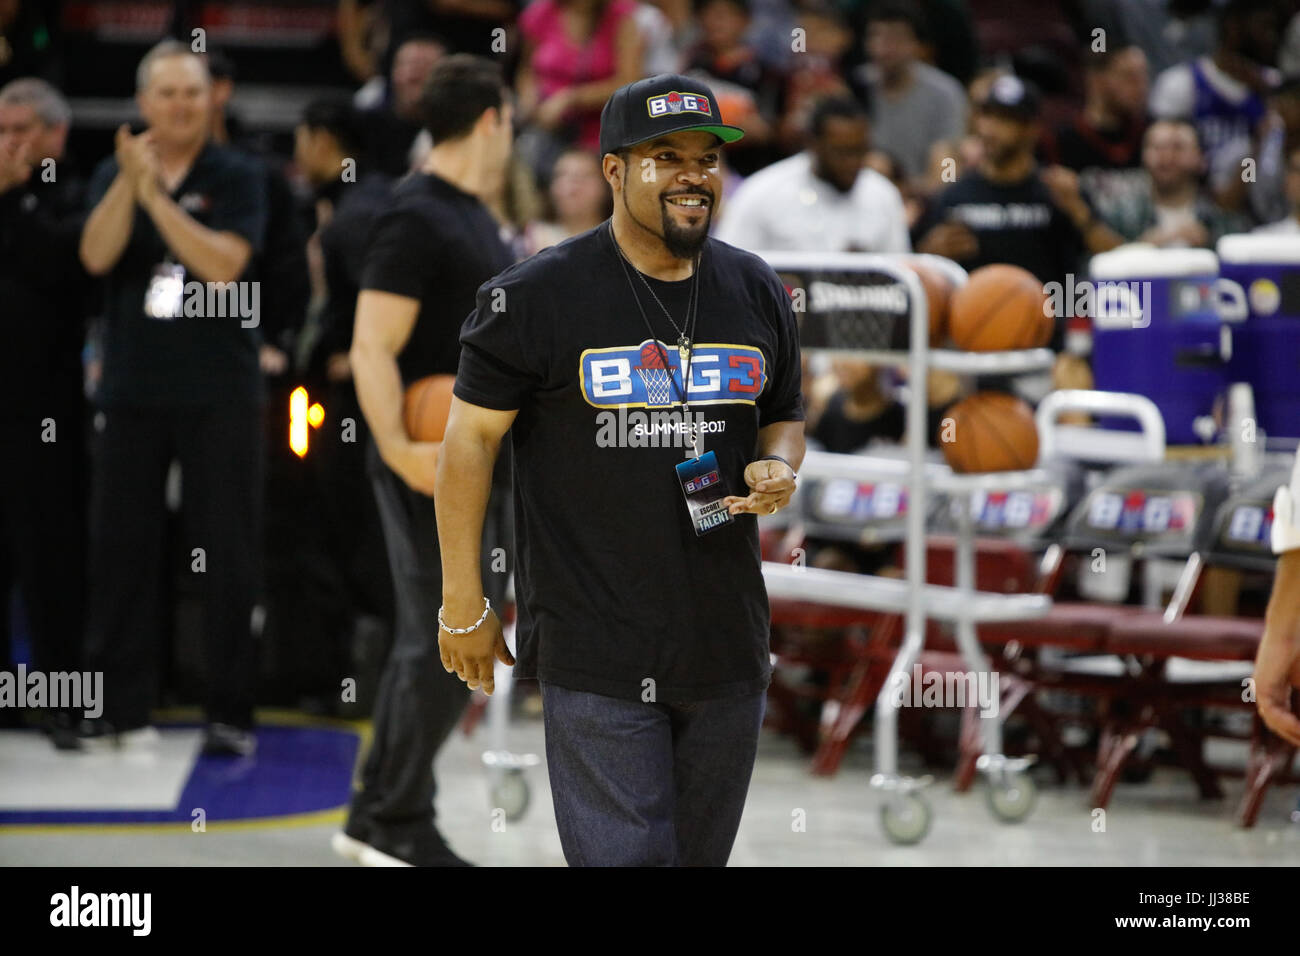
(197, 359)
(43, 292)
(438, 244)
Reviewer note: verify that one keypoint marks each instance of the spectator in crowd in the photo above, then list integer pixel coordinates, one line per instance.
(724, 54)
(824, 199)
(1173, 209)
(281, 267)
(465, 26)
(172, 212)
(575, 54)
(432, 246)
(1169, 32)
(579, 199)
(913, 104)
(392, 120)
(1223, 95)
(42, 407)
(1291, 224)
(1103, 141)
(348, 579)
(817, 69)
(363, 34)
(888, 166)
(660, 52)
(951, 158)
(517, 204)
(679, 18)
(1280, 134)
(859, 412)
(1007, 209)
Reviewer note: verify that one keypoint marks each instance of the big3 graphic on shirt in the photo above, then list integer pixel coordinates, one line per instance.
(649, 375)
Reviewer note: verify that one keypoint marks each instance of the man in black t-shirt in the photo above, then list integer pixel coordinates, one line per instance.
(1009, 211)
(430, 248)
(1103, 141)
(43, 292)
(649, 377)
(175, 221)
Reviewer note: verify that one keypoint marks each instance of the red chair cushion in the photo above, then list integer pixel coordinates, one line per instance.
(1200, 637)
(1073, 625)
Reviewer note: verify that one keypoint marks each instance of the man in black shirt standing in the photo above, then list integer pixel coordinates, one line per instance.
(175, 221)
(1008, 210)
(429, 250)
(649, 377)
(42, 404)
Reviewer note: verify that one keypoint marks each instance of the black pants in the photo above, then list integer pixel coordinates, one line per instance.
(220, 453)
(419, 703)
(43, 531)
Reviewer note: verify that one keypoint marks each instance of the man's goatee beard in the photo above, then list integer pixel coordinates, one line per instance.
(685, 243)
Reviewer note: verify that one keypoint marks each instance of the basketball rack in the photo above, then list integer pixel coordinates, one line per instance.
(905, 814)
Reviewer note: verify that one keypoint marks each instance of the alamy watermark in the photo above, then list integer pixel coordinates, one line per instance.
(667, 428)
(171, 297)
(950, 689)
(1112, 302)
(62, 690)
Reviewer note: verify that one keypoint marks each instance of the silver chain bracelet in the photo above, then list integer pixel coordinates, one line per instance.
(487, 609)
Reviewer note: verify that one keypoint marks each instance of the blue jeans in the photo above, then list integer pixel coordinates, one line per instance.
(648, 784)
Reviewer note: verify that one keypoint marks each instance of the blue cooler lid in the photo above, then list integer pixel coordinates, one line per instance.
(1190, 274)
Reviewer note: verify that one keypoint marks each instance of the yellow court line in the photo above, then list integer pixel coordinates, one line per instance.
(292, 820)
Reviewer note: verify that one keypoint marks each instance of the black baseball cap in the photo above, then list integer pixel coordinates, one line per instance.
(1012, 96)
(667, 103)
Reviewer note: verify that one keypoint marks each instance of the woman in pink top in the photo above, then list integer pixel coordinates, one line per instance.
(576, 53)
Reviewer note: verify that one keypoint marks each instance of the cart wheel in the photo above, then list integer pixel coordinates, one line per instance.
(905, 818)
(511, 793)
(1012, 798)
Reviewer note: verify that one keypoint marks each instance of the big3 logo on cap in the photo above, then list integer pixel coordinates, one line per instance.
(673, 102)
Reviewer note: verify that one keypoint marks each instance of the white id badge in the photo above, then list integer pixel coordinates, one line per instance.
(166, 292)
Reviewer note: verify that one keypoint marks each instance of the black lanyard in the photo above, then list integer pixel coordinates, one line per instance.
(685, 335)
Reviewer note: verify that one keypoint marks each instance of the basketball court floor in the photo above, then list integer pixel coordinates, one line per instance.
(168, 806)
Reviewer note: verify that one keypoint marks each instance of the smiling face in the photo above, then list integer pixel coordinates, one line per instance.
(177, 100)
(669, 186)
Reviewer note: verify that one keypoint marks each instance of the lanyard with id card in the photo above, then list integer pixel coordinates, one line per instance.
(164, 299)
(699, 476)
(702, 485)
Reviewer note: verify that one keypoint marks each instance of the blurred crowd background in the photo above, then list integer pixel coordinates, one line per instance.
(1032, 132)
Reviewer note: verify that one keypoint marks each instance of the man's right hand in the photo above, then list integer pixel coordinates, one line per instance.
(14, 168)
(416, 463)
(951, 239)
(471, 656)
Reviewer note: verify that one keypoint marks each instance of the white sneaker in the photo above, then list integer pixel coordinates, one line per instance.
(347, 847)
(372, 857)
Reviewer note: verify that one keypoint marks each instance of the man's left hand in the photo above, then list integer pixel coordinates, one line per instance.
(771, 484)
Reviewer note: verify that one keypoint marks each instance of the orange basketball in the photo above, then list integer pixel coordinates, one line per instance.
(989, 431)
(425, 407)
(938, 295)
(1000, 307)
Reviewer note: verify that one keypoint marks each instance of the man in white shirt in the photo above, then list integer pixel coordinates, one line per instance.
(823, 199)
(1289, 226)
